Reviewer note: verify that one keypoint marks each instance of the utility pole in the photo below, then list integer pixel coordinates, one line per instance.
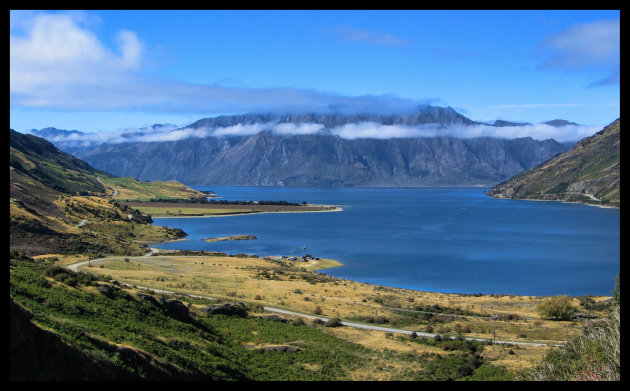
(494, 332)
(235, 279)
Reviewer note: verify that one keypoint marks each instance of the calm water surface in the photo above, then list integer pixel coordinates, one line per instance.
(456, 240)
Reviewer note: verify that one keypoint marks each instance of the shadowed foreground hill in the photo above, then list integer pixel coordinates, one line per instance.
(588, 173)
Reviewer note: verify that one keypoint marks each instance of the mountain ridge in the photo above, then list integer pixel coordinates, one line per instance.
(260, 151)
(266, 159)
(589, 172)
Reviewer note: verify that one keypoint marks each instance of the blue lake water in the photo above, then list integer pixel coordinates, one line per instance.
(455, 240)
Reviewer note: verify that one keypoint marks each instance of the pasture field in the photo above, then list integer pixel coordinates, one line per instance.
(296, 286)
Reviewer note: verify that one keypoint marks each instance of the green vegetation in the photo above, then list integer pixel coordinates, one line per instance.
(87, 326)
(58, 204)
(42, 162)
(616, 292)
(558, 307)
(131, 189)
(135, 335)
(589, 169)
(593, 355)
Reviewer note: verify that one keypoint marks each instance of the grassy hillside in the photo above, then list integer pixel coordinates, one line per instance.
(588, 173)
(60, 204)
(41, 161)
(73, 326)
(78, 326)
(131, 189)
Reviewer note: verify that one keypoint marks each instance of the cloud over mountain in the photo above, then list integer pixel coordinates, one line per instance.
(346, 127)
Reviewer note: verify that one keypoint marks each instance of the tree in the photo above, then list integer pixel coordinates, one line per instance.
(558, 307)
(616, 292)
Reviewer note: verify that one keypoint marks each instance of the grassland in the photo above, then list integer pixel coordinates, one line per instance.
(294, 286)
(133, 189)
(95, 329)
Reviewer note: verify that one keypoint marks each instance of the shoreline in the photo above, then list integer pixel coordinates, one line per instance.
(334, 209)
(562, 201)
(327, 264)
(338, 208)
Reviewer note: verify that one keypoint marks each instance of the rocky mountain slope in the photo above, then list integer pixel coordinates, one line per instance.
(589, 172)
(267, 159)
(257, 150)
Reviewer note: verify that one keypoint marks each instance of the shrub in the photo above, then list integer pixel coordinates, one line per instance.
(333, 322)
(593, 355)
(616, 292)
(558, 307)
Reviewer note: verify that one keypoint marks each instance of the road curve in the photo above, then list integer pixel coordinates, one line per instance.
(75, 266)
(115, 191)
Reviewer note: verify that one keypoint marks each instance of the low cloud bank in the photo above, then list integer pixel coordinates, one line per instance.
(351, 131)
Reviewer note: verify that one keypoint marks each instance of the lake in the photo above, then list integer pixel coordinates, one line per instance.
(453, 240)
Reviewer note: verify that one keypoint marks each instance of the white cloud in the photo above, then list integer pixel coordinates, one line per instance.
(594, 45)
(131, 49)
(240, 129)
(55, 54)
(297, 129)
(363, 130)
(536, 131)
(370, 37)
(57, 62)
(380, 131)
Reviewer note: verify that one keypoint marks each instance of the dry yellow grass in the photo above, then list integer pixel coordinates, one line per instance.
(292, 286)
(179, 211)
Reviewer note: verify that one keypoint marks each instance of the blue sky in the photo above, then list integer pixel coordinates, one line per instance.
(110, 70)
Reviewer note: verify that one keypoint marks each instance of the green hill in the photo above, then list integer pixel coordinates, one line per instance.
(59, 205)
(75, 326)
(43, 162)
(588, 173)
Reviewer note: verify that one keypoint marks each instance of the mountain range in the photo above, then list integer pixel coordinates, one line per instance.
(313, 149)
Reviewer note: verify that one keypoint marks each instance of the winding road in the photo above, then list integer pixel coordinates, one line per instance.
(115, 190)
(74, 267)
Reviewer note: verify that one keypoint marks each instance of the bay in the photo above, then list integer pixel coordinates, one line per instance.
(452, 240)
